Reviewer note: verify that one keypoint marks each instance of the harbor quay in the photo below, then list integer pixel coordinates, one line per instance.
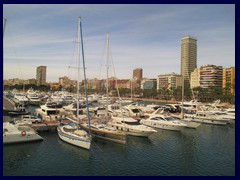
(42, 126)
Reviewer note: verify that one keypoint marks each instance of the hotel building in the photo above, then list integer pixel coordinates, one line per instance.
(41, 75)
(188, 58)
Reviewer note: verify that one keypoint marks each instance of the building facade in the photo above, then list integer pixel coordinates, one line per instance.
(229, 79)
(195, 79)
(211, 76)
(138, 73)
(32, 81)
(148, 84)
(41, 75)
(188, 58)
(169, 81)
(66, 82)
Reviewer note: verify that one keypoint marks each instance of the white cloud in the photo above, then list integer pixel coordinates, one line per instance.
(147, 36)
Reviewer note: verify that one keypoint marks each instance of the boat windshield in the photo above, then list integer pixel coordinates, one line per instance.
(170, 118)
(132, 123)
(135, 110)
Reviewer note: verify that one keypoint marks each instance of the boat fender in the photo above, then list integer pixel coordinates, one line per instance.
(23, 133)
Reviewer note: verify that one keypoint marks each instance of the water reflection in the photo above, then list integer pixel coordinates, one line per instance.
(139, 141)
(74, 150)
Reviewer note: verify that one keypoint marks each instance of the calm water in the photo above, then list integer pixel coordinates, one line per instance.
(207, 151)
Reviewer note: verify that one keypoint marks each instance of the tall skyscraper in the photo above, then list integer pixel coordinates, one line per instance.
(188, 58)
(41, 75)
(138, 73)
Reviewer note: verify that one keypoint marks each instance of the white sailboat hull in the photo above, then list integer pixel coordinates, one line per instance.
(83, 143)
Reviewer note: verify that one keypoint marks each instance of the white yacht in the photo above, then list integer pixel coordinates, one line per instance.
(150, 108)
(208, 117)
(105, 131)
(133, 111)
(131, 126)
(20, 98)
(48, 112)
(105, 100)
(16, 133)
(72, 108)
(189, 122)
(189, 105)
(230, 111)
(56, 98)
(124, 102)
(93, 97)
(163, 122)
(33, 99)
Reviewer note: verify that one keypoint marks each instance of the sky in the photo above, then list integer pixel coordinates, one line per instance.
(146, 36)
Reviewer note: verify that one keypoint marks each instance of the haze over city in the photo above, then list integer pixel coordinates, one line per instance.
(141, 36)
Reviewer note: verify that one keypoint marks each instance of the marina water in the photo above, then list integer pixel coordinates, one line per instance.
(206, 151)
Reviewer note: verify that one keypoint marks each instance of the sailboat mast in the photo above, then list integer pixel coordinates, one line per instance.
(107, 70)
(78, 68)
(182, 113)
(4, 27)
(85, 79)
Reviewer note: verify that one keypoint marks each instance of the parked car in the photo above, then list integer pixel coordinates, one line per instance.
(33, 119)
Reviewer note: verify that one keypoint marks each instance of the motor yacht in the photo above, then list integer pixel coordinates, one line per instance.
(164, 122)
(130, 126)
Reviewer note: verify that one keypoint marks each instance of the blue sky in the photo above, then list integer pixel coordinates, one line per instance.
(141, 36)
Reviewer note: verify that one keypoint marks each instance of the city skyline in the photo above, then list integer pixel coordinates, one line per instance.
(146, 36)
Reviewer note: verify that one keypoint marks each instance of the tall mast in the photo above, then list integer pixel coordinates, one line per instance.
(85, 79)
(78, 68)
(4, 27)
(107, 69)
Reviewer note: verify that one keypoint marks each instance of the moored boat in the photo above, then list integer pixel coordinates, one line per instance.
(19, 133)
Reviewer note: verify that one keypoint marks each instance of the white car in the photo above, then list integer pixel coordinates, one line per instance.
(33, 119)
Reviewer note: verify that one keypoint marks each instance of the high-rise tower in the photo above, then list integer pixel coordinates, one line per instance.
(188, 58)
(138, 73)
(41, 75)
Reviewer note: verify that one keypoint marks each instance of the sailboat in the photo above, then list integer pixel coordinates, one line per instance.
(100, 128)
(123, 124)
(71, 133)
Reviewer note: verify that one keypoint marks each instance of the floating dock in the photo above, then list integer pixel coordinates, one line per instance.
(45, 126)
